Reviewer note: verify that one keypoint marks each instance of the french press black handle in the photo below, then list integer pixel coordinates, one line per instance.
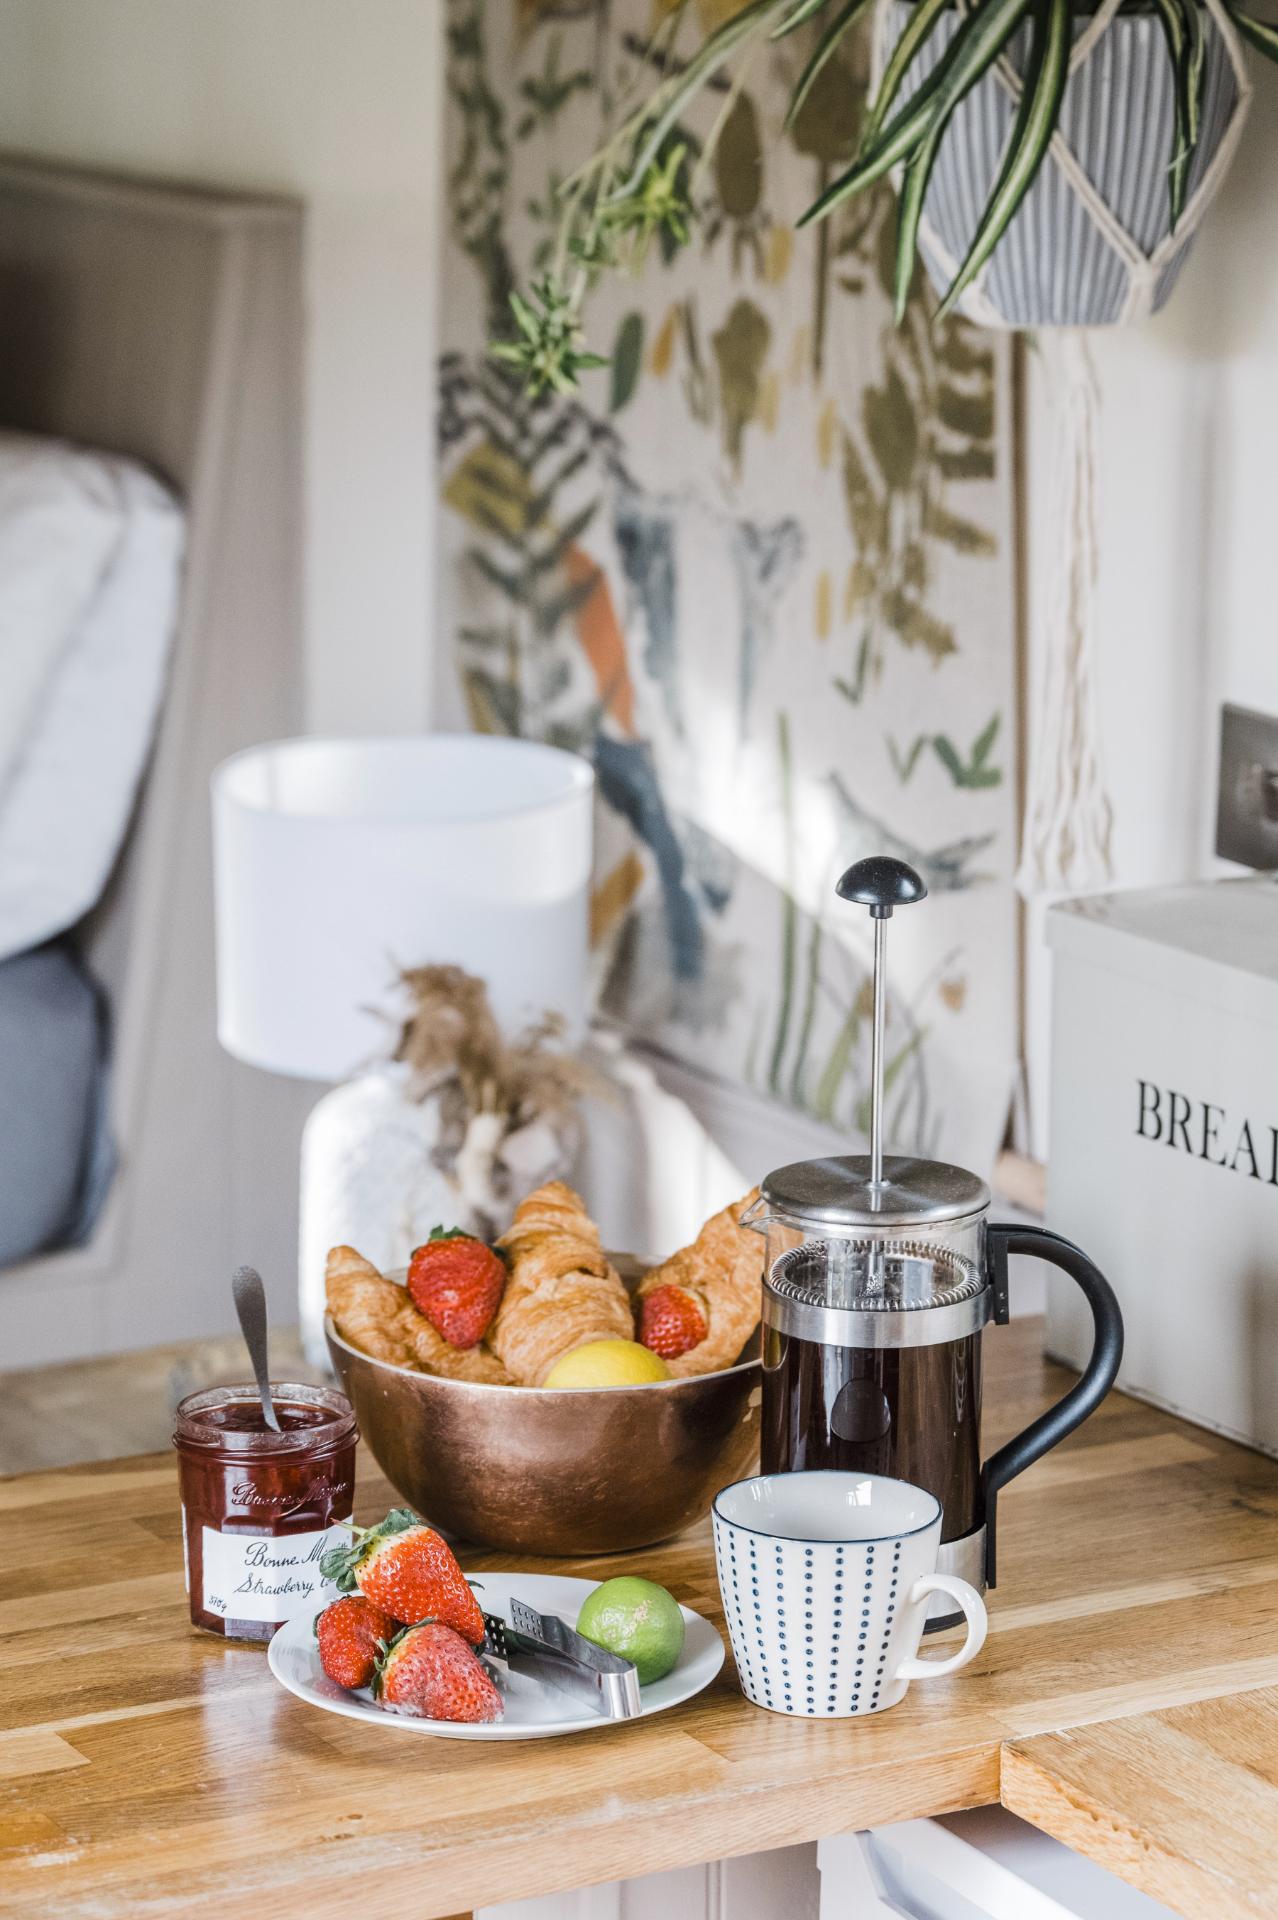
(1087, 1392)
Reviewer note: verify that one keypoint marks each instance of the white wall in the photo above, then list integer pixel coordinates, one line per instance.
(337, 102)
(1188, 587)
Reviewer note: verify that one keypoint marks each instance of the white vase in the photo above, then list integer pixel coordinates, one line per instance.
(370, 1179)
(369, 1182)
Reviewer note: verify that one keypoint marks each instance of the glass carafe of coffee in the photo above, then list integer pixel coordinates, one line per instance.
(881, 1274)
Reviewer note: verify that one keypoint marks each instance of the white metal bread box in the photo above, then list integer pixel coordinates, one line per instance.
(1163, 1158)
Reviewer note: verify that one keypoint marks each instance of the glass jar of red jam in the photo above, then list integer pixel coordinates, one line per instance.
(260, 1508)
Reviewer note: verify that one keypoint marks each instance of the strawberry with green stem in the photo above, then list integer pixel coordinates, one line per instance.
(409, 1571)
(428, 1671)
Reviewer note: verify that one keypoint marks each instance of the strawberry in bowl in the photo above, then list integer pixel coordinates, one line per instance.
(457, 1282)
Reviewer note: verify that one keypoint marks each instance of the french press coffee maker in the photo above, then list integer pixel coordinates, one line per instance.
(881, 1274)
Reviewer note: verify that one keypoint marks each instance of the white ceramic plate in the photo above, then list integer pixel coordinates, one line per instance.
(533, 1711)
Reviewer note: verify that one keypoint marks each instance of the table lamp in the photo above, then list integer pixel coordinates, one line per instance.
(339, 863)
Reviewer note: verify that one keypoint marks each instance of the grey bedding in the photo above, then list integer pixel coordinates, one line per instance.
(56, 1157)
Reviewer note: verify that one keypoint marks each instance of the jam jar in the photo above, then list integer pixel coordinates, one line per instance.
(259, 1508)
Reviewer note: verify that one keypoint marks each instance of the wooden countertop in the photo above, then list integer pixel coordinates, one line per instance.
(147, 1768)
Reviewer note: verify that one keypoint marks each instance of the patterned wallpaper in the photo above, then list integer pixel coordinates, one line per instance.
(759, 571)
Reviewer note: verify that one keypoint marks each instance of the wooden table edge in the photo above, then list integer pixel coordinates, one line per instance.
(1114, 1829)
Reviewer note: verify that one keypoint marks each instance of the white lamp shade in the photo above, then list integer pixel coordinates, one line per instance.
(339, 862)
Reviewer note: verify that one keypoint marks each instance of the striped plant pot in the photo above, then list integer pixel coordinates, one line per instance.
(1091, 244)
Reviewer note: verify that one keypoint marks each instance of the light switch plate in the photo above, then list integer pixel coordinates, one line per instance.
(1247, 796)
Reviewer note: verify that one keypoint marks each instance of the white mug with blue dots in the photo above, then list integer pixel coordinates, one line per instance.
(826, 1579)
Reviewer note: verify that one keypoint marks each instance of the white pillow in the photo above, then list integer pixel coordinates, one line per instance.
(68, 792)
(60, 523)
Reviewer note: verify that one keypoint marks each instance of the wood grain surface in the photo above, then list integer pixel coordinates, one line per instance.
(1183, 1803)
(150, 1770)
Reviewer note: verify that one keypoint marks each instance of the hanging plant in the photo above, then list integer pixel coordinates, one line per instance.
(1002, 120)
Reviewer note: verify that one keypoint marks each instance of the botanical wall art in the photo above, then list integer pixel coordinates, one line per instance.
(757, 567)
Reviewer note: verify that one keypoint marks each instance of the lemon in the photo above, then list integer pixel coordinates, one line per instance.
(638, 1620)
(607, 1363)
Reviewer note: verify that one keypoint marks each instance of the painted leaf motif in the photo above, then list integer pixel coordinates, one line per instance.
(892, 430)
(626, 361)
(917, 627)
(828, 124)
(493, 704)
(973, 773)
(948, 757)
(969, 463)
(971, 414)
(858, 588)
(740, 349)
(985, 740)
(865, 511)
(959, 348)
(905, 763)
(963, 535)
(663, 345)
(487, 487)
(738, 161)
(778, 250)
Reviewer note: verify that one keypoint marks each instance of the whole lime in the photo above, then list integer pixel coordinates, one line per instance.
(637, 1619)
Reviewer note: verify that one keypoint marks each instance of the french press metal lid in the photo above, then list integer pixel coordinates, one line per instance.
(882, 1272)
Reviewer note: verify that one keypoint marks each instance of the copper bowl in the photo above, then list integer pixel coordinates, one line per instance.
(555, 1471)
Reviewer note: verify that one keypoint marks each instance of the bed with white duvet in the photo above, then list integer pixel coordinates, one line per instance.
(90, 573)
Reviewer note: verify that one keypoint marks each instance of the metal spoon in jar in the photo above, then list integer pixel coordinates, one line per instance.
(250, 1304)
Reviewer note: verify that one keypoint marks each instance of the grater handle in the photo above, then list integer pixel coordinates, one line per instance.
(882, 884)
(1087, 1392)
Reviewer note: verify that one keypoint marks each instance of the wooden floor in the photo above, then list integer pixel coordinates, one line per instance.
(1126, 1700)
(105, 1409)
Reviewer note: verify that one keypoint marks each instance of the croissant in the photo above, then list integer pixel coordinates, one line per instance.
(721, 1274)
(378, 1317)
(562, 1290)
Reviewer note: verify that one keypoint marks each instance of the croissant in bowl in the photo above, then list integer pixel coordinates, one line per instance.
(563, 1291)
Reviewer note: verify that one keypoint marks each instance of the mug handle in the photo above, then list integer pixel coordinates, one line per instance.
(978, 1622)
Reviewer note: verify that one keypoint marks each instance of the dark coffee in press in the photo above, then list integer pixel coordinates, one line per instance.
(911, 1412)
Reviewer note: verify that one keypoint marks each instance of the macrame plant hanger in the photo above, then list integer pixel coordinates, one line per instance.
(1068, 830)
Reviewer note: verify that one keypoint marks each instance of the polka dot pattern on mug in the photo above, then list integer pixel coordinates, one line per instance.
(819, 1627)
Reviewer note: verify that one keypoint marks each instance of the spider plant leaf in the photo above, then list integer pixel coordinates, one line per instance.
(1042, 89)
(916, 30)
(850, 11)
(1197, 72)
(801, 15)
(909, 212)
(1177, 26)
(1261, 33)
(1189, 102)
(979, 40)
(706, 61)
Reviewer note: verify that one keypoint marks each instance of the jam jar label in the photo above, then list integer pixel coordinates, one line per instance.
(251, 1576)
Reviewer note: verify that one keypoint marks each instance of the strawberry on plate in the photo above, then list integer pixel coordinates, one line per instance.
(409, 1571)
(671, 1321)
(430, 1672)
(456, 1281)
(351, 1633)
